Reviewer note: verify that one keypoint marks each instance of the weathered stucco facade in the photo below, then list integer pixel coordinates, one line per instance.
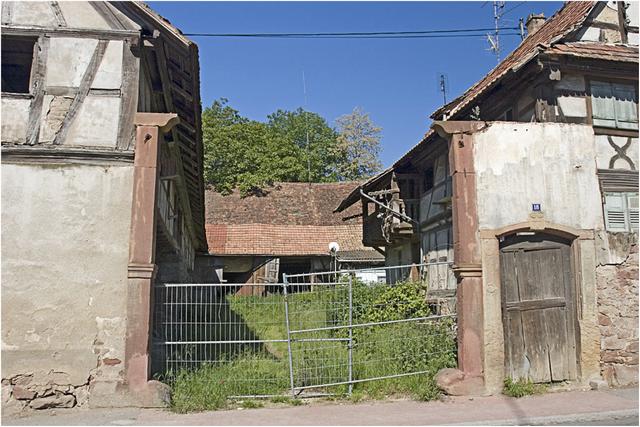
(63, 305)
(95, 198)
(515, 166)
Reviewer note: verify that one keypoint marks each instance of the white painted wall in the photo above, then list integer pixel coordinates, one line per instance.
(554, 164)
(65, 246)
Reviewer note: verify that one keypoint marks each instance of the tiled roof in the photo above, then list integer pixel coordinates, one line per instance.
(290, 219)
(563, 22)
(287, 203)
(607, 52)
(284, 240)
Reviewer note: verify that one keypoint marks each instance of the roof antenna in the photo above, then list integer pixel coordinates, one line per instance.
(306, 128)
(443, 84)
(494, 41)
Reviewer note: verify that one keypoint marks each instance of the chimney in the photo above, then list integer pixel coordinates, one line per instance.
(534, 22)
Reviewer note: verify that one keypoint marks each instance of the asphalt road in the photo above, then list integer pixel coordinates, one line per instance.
(613, 421)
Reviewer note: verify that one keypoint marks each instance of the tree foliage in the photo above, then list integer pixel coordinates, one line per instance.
(359, 144)
(291, 146)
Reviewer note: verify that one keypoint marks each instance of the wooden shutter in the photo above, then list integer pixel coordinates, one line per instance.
(603, 104)
(632, 204)
(618, 181)
(626, 106)
(614, 211)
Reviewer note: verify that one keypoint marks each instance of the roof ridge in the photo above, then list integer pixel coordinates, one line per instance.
(526, 49)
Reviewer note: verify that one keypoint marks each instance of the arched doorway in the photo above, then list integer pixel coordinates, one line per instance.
(538, 307)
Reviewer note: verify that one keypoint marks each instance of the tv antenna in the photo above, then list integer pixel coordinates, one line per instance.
(306, 128)
(443, 86)
(494, 40)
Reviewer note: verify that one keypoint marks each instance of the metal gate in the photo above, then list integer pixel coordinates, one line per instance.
(315, 333)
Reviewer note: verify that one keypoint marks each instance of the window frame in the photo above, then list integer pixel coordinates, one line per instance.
(589, 80)
(32, 69)
(626, 209)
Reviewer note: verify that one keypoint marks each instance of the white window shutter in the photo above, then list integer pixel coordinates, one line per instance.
(614, 211)
(632, 203)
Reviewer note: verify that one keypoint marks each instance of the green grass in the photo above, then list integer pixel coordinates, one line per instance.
(378, 351)
(522, 387)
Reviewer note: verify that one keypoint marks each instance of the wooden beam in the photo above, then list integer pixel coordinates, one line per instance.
(19, 30)
(47, 154)
(83, 90)
(37, 89)
(7, 12)
(107, 14)
(129, 102)
(57, 12)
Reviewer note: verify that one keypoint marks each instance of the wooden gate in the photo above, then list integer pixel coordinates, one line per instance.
(538, 309)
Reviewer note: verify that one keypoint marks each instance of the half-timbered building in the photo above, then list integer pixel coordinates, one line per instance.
(528, 185)
(102, 195)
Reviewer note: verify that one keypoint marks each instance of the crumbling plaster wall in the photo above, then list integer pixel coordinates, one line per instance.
(65, 246)
(553, 164)
(518, 164)
(617, 279)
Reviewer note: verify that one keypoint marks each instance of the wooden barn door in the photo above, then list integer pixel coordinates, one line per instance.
(537, 308)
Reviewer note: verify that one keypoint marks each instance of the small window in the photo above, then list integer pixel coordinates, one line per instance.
(17, 57)
(507, 116)
(621, 212)
(614, 105)
(428, 179)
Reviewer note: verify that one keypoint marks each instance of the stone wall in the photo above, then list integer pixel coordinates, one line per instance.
(617, 280)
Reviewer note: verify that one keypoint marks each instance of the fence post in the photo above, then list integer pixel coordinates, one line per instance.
(350, 334)
(286, 315)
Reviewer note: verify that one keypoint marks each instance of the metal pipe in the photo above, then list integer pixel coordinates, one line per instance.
(288, 325)
(423, 264)
(362, 380)
(350, 336)
(386, 322)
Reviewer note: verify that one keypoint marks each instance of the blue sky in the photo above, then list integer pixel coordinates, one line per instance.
(393, 80)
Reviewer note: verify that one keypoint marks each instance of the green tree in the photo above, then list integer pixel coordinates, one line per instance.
(292, 146)
(236, 150)
(359, 146)
(315, 162)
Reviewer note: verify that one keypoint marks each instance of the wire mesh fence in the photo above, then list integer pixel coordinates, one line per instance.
(315, 333)
(365, 331)
(235, 331)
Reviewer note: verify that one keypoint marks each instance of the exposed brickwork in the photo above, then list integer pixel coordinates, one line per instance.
(618, 312)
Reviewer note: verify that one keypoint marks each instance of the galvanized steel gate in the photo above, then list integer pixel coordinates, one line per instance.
(305, 334)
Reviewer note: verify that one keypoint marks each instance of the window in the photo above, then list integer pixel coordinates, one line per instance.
(428, 179)
(621, 212)
(614, 105)
(17, 57)
(507, 116)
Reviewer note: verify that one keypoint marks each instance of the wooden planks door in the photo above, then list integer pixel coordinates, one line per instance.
(538, 309)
